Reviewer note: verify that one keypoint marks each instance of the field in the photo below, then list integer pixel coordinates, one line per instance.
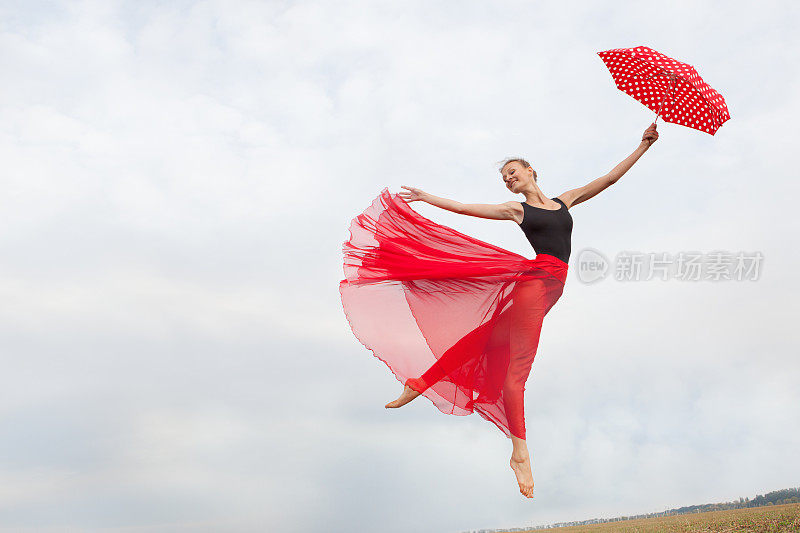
(754, 520)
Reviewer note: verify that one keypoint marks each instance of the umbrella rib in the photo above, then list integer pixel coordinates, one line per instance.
(668, 73)
(712, 108)
(672, 77)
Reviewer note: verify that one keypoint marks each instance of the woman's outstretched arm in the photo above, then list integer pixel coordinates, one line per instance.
(593, 188)
(504, 211)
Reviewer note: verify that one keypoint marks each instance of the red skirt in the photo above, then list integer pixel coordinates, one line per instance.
(455, 318)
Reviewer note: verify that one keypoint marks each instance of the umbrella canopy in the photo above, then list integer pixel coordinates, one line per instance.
(672, 89)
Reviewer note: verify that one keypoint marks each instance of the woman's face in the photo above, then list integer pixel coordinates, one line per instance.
(516, 177)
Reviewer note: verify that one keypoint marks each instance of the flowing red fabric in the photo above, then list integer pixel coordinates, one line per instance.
(455, 318)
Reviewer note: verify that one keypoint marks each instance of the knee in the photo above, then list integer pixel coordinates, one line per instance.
(516, 378)
(513, 386)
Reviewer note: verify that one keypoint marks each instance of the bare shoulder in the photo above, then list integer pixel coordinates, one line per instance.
(569, 197)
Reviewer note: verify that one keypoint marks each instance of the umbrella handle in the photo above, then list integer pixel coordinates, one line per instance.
(661, 103)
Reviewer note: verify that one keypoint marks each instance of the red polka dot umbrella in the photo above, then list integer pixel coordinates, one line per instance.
(674, 90)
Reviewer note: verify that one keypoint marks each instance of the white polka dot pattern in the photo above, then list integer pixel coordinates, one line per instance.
(673, 90)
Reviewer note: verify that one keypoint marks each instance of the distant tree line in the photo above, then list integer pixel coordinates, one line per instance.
(777, 497)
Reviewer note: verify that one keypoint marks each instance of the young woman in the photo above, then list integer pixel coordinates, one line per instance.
(456, 319)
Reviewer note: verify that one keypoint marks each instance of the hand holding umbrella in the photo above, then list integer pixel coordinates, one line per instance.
(650, 134)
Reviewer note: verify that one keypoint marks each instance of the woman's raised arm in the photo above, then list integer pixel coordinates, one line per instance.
(504, 211)
(594, 187)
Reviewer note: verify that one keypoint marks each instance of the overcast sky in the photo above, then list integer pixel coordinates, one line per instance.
(178, 179)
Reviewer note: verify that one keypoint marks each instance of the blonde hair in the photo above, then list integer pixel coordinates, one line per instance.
(519, 160)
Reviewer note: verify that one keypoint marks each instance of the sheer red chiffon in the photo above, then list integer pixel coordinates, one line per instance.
(455, 318)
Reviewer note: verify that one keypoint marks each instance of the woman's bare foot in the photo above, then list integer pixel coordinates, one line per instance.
(522, 469)
(407, 395)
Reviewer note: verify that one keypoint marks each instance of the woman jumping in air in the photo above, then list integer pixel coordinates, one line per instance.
(456, 319)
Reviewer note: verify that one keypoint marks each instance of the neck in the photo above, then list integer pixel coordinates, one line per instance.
(535, 195)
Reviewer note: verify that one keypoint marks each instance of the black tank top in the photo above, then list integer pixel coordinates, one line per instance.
(548, 230)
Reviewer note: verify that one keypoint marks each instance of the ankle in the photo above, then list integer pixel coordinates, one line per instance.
(416, 385)
(520, 457)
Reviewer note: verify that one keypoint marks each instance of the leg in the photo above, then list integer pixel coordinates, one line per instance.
(527, 313)
(466, 349)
